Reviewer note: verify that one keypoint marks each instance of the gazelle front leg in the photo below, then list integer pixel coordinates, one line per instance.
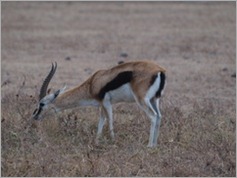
(101, 123)
(109, 113)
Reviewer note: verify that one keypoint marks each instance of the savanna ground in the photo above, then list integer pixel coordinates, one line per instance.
(195, 42)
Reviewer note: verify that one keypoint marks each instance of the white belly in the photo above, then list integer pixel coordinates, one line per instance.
(121, 94)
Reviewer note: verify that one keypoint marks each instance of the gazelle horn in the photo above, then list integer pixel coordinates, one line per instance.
(44, 87)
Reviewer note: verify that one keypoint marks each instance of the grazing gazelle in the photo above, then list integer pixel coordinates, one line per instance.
(141, 81)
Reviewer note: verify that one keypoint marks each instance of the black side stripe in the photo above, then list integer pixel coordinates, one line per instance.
(162, 84)
(119, 80)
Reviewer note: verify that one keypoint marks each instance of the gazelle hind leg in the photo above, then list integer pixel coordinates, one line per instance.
(149, 110)
(155, 105)
(152, 131)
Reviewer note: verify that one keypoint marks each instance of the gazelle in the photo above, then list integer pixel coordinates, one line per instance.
(142, 82)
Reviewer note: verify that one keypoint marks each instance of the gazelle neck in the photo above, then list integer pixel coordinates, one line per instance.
(75, 97)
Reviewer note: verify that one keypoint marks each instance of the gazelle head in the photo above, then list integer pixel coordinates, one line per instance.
(44, 99)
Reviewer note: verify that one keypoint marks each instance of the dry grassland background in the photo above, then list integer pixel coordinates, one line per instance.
(194, 41)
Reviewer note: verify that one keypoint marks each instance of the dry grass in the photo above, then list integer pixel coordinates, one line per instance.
(201, 143)
(194, 41)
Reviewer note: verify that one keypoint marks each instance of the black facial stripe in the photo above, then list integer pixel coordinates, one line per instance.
(39, 111)
(162, 84)
(35, 111)
(119, 80)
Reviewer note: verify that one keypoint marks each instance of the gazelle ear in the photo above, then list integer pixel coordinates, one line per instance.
(59, 91)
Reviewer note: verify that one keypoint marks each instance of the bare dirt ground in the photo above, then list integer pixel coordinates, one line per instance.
(195, 42)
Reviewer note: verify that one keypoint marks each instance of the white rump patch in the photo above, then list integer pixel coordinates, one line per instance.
(153, 88)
